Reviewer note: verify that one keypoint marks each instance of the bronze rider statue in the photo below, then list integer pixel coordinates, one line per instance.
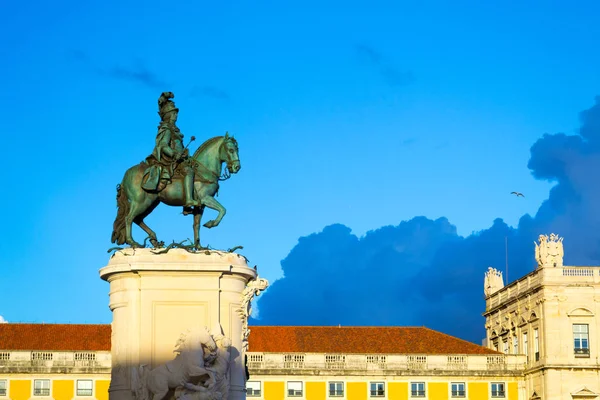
(169, 153)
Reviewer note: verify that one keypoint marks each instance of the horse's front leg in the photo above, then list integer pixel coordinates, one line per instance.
(198, 211)
(210, 202)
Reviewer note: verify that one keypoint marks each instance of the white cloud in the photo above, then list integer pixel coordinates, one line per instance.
(2, 320)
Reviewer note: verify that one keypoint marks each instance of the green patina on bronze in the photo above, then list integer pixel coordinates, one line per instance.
(170, 176)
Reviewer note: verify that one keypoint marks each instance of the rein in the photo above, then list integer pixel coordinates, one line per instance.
(215, 177)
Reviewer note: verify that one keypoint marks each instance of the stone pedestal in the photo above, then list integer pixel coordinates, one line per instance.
(154, 298)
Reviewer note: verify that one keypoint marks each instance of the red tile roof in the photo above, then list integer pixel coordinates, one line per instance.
(362, 340)
(55, 337)
(267, 339)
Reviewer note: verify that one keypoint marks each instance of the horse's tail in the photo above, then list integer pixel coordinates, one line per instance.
(118, 233)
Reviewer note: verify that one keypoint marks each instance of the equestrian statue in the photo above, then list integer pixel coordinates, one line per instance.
(170, 176)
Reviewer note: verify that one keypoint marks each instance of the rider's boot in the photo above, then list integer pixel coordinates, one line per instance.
(188, 188)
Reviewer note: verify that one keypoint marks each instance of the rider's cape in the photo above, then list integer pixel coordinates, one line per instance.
(151, 177)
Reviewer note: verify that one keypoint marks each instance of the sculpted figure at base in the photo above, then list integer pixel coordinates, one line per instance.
(199, 371)
(170, 176)
(220, 368)
(253, 288)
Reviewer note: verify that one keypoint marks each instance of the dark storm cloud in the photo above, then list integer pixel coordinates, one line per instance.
(421, 272)
(209, 91)
(392, 75)
(139, 74)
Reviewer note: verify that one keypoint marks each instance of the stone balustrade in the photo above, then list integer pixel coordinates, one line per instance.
(55, 361)
(382, 364)
(546, 275)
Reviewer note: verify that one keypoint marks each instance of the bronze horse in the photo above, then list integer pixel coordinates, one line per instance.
(134, 203)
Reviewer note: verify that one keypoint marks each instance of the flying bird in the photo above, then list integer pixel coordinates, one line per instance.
(517, 194)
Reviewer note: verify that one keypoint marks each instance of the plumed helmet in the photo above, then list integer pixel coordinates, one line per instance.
(165, 104)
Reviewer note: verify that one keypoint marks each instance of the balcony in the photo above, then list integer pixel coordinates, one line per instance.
(388, 364)
(582, 353)
(54, 362)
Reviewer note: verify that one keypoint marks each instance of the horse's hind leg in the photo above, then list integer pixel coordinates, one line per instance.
(140, 221)
(139, 204)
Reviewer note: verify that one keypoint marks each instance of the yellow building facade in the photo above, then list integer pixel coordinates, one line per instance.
(373, 363)
(54, 361)
(284, 363)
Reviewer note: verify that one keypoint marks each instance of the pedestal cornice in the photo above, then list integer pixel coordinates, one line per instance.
(176, 260)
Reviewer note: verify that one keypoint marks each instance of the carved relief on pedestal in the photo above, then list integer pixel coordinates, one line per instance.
(253, 288)
(493, 281)
(199, 371)
(549, 251)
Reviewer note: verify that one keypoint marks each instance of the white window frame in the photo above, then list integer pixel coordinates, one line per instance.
(536, 344)
(5, 388)
(253, 391)
(49, 388)
(418, 394)
(503, 396)
(581, 335)
(77, 388)
(300, 383)
(335, 390)
(525, 346)
(458, 396)
(376, 390)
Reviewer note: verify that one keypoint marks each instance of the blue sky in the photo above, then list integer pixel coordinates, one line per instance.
(364, 114)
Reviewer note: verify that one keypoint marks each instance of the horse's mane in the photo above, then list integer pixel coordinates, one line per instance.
(204, 145)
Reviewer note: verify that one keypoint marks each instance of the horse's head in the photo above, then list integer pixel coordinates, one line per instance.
(228, 153)
(195, 340)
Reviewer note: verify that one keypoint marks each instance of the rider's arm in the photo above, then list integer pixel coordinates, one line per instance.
(164, 143)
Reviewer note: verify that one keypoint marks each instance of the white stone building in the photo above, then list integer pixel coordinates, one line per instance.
(550, 316)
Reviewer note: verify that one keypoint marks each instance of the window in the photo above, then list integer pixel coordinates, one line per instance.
(525, 346)
(505, 346)
(581, 338)
(458, 389)
(41, 387)
(3, 388)
(417, 389)
(294, 389)
(536, 344)
(253, 389)
(498, 390)
(515, 345)
(377, 389)
(84, 387)
(336, 389)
